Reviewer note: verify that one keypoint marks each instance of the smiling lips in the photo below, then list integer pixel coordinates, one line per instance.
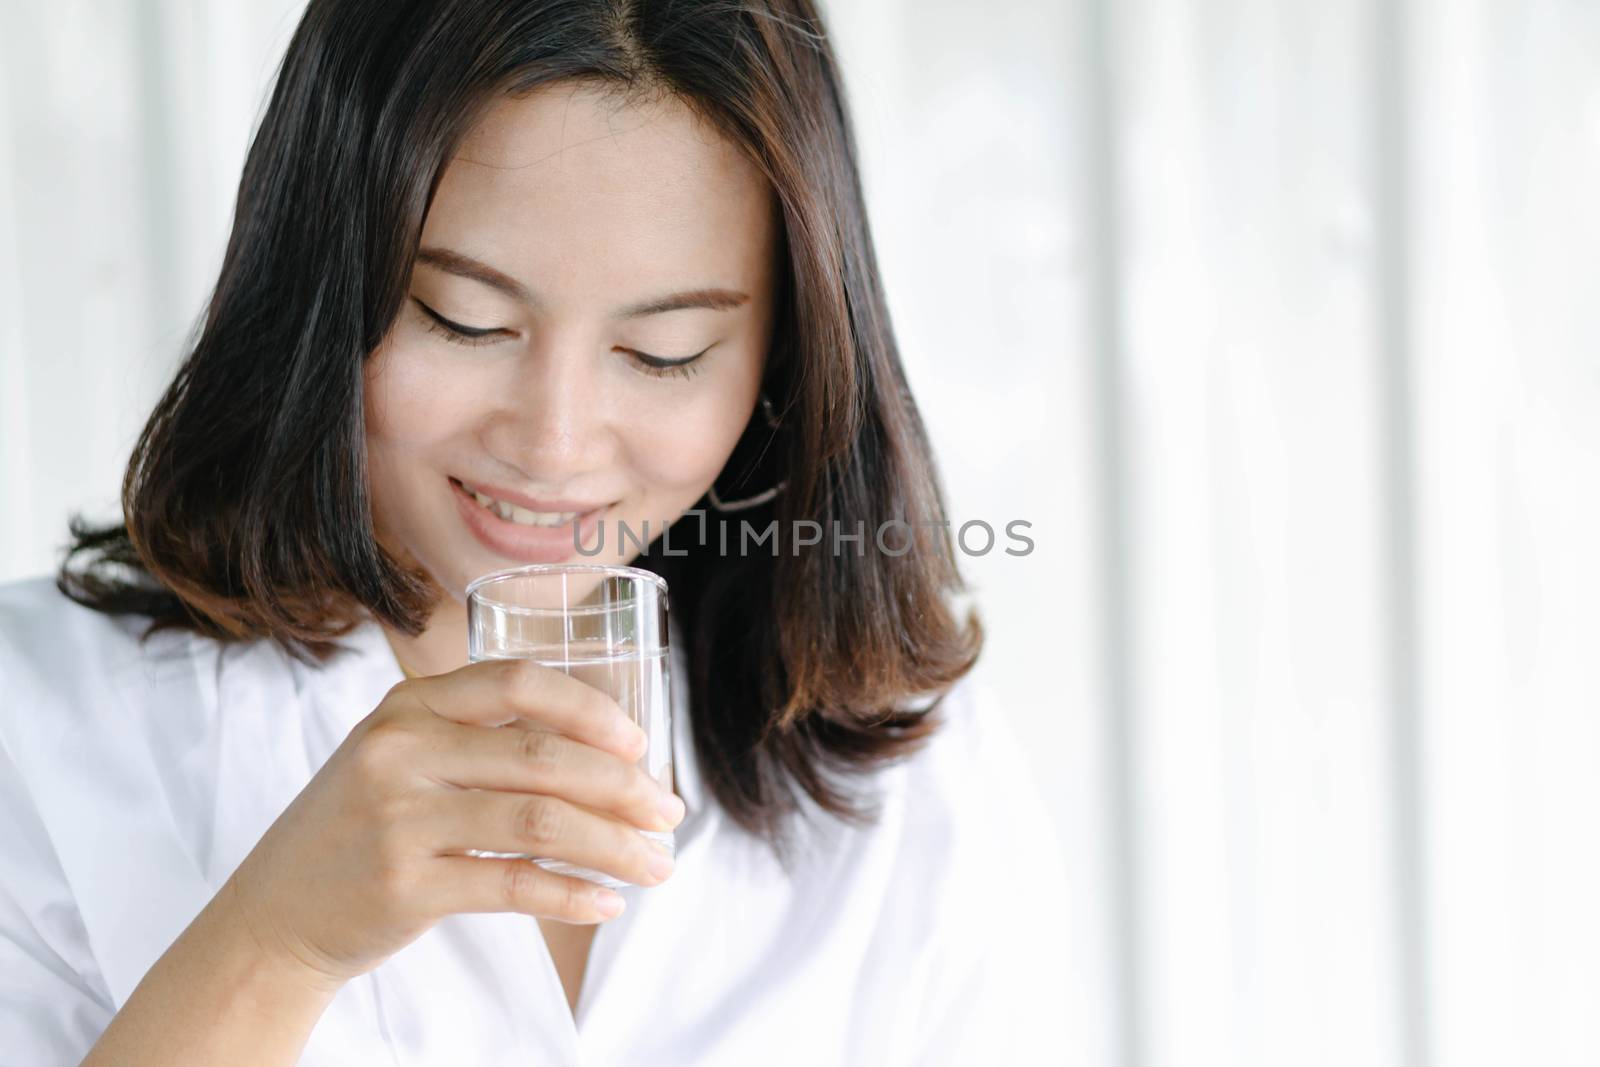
(519, 527)
(513, 507)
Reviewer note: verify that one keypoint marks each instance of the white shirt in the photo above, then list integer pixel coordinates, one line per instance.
(135, 778)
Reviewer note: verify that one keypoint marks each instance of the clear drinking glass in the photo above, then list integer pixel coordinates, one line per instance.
(604, 625)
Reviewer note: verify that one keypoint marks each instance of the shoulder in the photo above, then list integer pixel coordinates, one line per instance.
(72, 678)
(973, 769)
(53, 997)
(980, 821)
(92, 714)
(967, 795)
(976, 783)
(48, 640)
(80, 689)
(39, 597)
(128, 766)
(29, 608)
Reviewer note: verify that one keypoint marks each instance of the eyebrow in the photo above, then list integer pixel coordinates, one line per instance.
(463, 266)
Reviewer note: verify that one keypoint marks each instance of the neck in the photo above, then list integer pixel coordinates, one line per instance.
(441, 646)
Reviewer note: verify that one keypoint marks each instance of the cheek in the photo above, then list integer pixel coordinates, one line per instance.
(684, 455)
(411, 411)
(412, 404)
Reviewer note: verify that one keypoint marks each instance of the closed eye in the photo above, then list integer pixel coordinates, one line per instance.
(462, 334)
(458, 332)
(665, 368)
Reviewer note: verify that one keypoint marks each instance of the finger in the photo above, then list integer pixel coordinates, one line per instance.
(542, 761)
(543, 826)
(495, 692)
(482, 884)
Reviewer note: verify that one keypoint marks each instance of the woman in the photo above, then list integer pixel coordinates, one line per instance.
(505, 278)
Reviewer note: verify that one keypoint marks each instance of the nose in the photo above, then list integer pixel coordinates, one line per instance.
(550, 420)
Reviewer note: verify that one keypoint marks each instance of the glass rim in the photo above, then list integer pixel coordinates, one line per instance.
(534, 570)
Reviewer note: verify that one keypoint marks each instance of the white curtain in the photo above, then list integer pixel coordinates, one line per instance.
(1274, 319)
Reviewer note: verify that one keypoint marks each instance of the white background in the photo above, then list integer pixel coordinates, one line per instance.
(1276, 320)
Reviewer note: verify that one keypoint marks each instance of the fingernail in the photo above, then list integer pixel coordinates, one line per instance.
(671, 808)
(660, 865)
(608, 903)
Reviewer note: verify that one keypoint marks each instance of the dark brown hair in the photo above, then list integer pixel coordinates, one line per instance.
(246, 503)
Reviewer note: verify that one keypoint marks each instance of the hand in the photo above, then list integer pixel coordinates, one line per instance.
(371, 853)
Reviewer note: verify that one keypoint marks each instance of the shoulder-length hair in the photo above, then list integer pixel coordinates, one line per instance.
(246, 503)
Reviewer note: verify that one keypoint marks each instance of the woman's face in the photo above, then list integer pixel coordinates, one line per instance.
(588, 322)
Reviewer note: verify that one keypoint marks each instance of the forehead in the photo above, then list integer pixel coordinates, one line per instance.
(574, 191)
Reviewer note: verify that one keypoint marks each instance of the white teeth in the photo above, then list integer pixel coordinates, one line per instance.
(522, 516)
(542, 518)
